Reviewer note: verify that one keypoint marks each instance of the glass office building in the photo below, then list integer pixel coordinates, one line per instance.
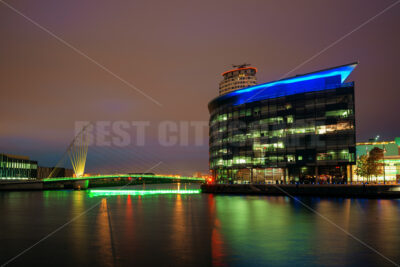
(296, 129)
(17, 168)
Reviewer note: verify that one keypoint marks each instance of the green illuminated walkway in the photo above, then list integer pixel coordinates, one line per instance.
(141, 192)
(114, 176)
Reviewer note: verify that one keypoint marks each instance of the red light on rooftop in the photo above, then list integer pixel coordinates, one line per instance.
(247, 68)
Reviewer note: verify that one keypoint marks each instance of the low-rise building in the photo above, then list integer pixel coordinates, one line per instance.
(14, 167)
(391, 160)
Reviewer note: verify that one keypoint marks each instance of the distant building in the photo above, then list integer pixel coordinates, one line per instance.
(391, 159)
(240, 77)
(44, 172)
(296, 129)
(13, 167)
(201, 175)
(197, 174)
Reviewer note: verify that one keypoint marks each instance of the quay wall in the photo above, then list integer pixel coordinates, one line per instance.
(322, 190)
(20, 186)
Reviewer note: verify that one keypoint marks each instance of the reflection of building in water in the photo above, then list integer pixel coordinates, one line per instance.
(217, 242)
(391, 159)
(180, 240)
(79, 237)
(104, 234)
(298, 129)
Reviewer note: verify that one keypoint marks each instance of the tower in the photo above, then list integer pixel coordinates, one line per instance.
(241, 76)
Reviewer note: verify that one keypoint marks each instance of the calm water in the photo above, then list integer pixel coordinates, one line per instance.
(201, 230)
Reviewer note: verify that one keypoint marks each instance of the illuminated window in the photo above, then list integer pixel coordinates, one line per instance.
(255, 134)
(257, 161)
(303, 130)
(256, 111)
(341, 126)
(241, 160)
(342, 113)
(272, 120)
(320, 129)
(272, 147)
(324, 156)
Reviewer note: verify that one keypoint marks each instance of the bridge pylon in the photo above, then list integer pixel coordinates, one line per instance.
(77, 153)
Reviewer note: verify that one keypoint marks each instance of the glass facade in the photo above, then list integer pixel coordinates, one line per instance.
(390, 161)
(306, 133)
(17, 168)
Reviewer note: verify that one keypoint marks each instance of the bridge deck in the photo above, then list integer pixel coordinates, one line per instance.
(111, 176)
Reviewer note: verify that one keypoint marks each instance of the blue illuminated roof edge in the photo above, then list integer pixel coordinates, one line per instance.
(344, 71)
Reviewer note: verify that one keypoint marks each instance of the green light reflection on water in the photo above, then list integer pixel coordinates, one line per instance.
(95, 193)
(265, 229)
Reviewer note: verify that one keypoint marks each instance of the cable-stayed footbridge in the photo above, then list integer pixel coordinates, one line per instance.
(77, 153)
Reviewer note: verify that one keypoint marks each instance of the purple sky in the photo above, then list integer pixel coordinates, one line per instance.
(175, 51)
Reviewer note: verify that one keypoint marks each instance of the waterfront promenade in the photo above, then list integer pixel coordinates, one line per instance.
(318, 190)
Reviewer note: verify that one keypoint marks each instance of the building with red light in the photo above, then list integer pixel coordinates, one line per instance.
(240, 77)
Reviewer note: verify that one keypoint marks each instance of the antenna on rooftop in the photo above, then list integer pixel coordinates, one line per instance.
(244, 65)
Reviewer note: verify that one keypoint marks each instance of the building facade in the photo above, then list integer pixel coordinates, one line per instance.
(297, 129)
(17, 167)
(240, 77)
(390, 161)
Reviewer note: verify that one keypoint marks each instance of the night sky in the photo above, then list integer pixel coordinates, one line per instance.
(175, 51)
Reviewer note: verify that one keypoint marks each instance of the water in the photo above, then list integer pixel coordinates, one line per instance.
(198, 229)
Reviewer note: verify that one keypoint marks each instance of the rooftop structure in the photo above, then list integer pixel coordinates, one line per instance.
(241, 76)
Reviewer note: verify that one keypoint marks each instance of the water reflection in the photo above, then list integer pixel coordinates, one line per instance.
(105, 239)
(197, 230)
(78, 237)
(217, 243)
(179, 231)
